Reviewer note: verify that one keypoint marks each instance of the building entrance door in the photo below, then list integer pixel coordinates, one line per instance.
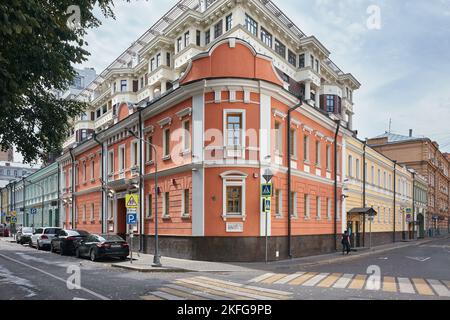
(421, 226)
(121, 218)
(357, 235)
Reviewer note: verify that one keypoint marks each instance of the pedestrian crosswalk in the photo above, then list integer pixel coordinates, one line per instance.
(205, 288)
(416, 286)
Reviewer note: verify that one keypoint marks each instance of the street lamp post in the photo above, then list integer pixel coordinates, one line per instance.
(156, 257)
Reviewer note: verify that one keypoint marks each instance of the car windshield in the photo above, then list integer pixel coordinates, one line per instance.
(39, 231)
(109, 237)
(27, 230)
(51, 230)
(75, 233)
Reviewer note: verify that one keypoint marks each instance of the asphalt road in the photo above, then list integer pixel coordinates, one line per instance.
(416, 272)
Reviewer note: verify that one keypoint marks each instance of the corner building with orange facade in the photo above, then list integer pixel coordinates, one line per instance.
(217, 128)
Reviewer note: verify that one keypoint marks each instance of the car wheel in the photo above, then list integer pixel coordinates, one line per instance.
(123, 258)
(93, 256)
(61, 250)
(52, 249)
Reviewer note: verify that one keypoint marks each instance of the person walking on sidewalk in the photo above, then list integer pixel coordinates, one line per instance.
(345, 243)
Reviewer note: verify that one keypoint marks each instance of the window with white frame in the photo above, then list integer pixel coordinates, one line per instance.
(218, 29)
(306, 206)
(318, 208)
(185, 206)
(294, 204)
(306, 148)
(379, 215)
(329, 209)
(186, 39)
(166, 142)
(158, 60)
(328, 151)
(293, 145)
(83, 171)
(122, 158)
(166, 204)
(251, 25)
(179, 44)
(292, 58)
(228, 22)
(149, 149)
(279, 202)
(266, 37)
(233, 194)
(278, 138)
(280, 48)
(350, 166)
(358, 167)
(186, 137)
(149, 211)
(384, 180)
(372, 174)
(318, 155)
(111, 162)
(92, 218)
(234, 124)
(379, 177)
(92, 169)
(134, 153)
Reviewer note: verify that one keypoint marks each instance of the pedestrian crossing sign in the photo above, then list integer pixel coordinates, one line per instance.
(132, 201)
(266, 190)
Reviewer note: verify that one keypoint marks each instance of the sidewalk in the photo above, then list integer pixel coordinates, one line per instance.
(143, 262)
(7, 239)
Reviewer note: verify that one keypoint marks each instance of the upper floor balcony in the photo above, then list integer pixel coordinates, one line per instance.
(182, 58)
(104, 119)
(69, 142)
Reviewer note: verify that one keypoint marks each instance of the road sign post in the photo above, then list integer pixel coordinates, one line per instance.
(266, 194)
(131, 221)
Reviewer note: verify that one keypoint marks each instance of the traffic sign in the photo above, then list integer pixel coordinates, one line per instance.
(408, 210)
(132, 201)
(131, 217)
(267, 202)
(3, 213)
(266, 190)
(33, 211)
(13, 220)
(268, 175)
(13, 213)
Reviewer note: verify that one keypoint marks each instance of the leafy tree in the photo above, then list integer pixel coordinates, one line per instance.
(38, 49)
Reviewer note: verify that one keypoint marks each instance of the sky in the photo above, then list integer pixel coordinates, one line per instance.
(401, 60)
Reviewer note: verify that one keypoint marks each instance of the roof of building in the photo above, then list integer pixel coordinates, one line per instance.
(393, 137)
(17, 165)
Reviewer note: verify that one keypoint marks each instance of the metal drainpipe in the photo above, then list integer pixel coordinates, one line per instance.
(24, 197)
(73, 189)
(103, 181)
(289, 176)
(59, 196)
(414, 204)
(364, 193)
(141, 184)
(395, 194)
(338, 126)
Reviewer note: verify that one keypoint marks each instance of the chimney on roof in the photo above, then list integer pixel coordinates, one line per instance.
(410, 133)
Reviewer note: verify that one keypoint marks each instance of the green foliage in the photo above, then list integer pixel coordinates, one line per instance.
(37, 51)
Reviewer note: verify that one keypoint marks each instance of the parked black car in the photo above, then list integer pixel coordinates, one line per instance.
(64, 242)
(97, 246)
(24, 234)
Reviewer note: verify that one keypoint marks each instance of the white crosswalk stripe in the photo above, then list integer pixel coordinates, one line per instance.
(166, 295)
(405, 285)
(439, 288)
(289, 278)
(262, 277)
(343, 281)
(315, 280)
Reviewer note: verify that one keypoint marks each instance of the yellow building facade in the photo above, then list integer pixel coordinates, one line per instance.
(380, 174)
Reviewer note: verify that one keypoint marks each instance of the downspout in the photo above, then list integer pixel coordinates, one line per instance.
(141, 184)
(24, 199)
(73, 189)
(103, 217)
(59, 196)
(364, 192)
(414, 205)
(338, 126)
(395, 194)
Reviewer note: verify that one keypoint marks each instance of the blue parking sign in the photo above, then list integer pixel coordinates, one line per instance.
(132, 218)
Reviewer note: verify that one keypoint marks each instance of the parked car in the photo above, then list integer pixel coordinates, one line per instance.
(42, 237)
(97, 246)
(4, 231)
(64, 241)
(24, 234)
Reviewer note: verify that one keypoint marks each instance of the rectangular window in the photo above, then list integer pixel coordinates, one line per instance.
(229, 22)
(198, 38)
(110, 209)
(92, 168)
(357, 169)
(207, 37)
(312, 61)
(158, 60)
(218, 29)
(318, 208)
(234, 129)
(278, 138)
(168, 59)
(294, 205)
(329, 209)
(330, 103)
(318, 155)
(317, 65)
(166, 202)
(92, 218)
(266, 37)
(293, 145)
(279, 202)
(280, 48)
(384, 180)
(185, 202)
(149, 211)
(301, 60)
(379, 177)
(122, 158)
(83, 171)
(251, 25)
(84, 213)
(328, 158)
(350, 166)
(166, 142)
(186, 136)
(134, 154)
(234, 200)
(179, 44)
(123, 85)
(186, 39)
(292, 58)
(306, 148)
(306, 206)
(372, 174)
(149, 150)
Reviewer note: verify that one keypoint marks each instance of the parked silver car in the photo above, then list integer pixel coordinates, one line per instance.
(42, 237)
(24, 234)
